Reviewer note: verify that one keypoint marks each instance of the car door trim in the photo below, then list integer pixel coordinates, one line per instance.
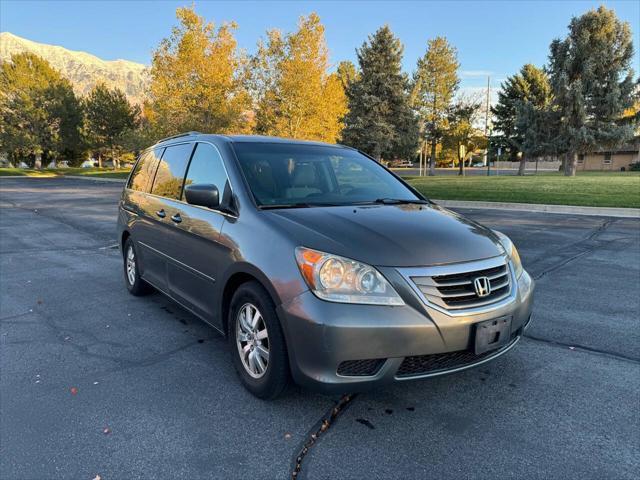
(189, 309)
(179, 263)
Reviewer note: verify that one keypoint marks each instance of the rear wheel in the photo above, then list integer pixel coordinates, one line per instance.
(256, 342)
(135, 284)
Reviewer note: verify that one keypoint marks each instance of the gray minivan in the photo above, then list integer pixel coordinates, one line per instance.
(318, 263)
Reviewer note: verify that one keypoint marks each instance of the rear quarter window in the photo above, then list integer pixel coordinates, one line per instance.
(171, 169)
(143, 172)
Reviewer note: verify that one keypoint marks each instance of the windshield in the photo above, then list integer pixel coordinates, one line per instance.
(286, 175)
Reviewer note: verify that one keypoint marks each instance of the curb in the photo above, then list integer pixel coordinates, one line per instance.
(96, 179)
(28, 176)
(76, 177)
(542, 208)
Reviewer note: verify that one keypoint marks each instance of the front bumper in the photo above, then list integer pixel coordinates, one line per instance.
(322, 335)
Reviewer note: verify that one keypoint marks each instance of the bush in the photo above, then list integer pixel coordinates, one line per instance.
(634, 167)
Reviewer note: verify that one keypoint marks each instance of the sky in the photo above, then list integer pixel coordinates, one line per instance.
(492, 37)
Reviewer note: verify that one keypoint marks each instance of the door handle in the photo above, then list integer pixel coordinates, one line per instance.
(161, 213)
(176, 218)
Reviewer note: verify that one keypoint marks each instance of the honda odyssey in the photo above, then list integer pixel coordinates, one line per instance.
(317, 263)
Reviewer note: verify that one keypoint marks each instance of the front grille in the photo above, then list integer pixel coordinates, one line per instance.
(360, 368)
(424, 364)
(456, 291)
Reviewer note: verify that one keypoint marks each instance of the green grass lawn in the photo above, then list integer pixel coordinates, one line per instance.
(50, 172)
(594, 189)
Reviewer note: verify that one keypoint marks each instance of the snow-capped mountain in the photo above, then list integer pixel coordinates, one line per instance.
(82, 69)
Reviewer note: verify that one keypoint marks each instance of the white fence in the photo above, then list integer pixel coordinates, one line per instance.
(542, 165)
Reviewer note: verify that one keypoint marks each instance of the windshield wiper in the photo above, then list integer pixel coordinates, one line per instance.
(399, 201)
(299, 205)
(284, 205)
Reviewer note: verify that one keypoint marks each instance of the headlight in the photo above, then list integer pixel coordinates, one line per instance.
(511, 250)
(339, 279)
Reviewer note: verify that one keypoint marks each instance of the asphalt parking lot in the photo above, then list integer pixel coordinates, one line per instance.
(95, 382)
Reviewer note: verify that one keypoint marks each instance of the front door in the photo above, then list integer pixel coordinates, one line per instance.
(160, 209)
(194, 244)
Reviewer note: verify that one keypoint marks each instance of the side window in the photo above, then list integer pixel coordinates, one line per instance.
(170, 173)
(142, 175)
(206, 167)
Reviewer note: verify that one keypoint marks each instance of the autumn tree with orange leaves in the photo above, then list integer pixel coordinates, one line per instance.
(295, 95)
(198, 79)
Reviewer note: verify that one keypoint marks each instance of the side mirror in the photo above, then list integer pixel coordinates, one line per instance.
(202, 194)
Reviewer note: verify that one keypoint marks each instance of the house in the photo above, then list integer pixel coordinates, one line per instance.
(614, 160)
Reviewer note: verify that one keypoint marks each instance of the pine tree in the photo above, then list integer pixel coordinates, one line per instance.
(198, 79)
(380, 121)
(40, 115)
(435, 83)
(296, 96)
(525, 92)
(109, 119)
(592, 83)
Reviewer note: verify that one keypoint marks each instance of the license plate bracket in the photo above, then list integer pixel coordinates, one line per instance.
(492, 334)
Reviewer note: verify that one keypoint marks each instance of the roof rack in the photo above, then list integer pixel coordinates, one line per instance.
(186, 134)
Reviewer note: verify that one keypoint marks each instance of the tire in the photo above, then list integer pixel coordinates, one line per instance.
(135, 284)
(271, 380)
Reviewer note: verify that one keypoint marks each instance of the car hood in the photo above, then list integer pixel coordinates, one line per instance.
(389, 235)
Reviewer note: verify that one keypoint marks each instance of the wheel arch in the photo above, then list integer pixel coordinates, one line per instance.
(123, 239)
(241, 274)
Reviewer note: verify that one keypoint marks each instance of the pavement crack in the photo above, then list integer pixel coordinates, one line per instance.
(582, 245)
(15, 316)
(585, 348)
(561, 264)
(320, 428)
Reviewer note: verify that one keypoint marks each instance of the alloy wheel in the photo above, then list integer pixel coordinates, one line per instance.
(252, 340)
(131, 265)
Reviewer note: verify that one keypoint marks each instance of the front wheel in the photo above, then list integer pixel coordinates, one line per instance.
(256, 342)
(135, 284)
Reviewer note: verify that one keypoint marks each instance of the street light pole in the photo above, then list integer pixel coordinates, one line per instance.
(486, 121)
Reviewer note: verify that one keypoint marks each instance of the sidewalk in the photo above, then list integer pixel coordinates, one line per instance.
(534, 207)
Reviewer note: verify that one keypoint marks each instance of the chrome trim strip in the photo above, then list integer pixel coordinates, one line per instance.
(497, 354)
(456, 268)
(206, 209)
(197, 272)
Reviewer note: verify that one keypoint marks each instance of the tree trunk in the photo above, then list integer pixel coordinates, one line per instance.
(377, 154)
(99, 159)
(570, 164)
(116, 163)
(38, 162)
(563, 162)
(432, 159)
(523, 165)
